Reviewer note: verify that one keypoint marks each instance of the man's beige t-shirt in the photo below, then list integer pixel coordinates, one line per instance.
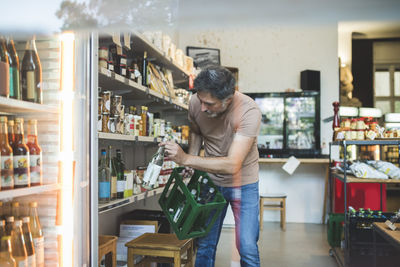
(242, 117)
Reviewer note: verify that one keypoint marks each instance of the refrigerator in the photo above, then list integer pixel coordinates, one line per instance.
(290, 124)
(63, 125)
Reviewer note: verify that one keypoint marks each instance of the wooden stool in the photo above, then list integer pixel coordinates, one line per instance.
(108, 248)
(281, 198)
(160, 248)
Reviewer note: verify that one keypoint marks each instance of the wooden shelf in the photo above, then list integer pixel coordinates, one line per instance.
(13, 106)
(115, 204)
(132, 138)
(29, 191)
(131, 90)
(353, 179)
(367, 142)
(302, 160)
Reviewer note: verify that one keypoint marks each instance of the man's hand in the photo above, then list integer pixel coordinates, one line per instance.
(174, 152)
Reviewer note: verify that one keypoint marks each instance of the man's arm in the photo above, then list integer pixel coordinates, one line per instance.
(195, 142)
(231, 164)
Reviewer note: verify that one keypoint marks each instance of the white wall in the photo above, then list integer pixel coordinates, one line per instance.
(271, 59)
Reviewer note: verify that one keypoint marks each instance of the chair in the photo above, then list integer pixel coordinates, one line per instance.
(281, 205)
(160, 248)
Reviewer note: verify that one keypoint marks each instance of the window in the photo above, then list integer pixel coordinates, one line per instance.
(387, 87)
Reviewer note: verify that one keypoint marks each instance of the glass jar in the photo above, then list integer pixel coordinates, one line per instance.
(360, 135)
(105, 117)
(360, 124)
(106, 95)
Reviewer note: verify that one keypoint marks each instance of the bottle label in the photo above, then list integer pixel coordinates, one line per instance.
(4, 79)
(113, 185)
(107, 104)
(32, 260)
(36, 168)
(21, 170)
(152, 173)
(121, 186)
(30, 84)
(39, 251)
(104, 189)
(7, 171)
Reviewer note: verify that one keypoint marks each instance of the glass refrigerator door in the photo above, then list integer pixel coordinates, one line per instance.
(301, 116)
(271, 130)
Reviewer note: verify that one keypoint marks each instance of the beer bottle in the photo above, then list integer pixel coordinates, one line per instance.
(11, 136)
(7, 170)
(35, 154)
(104, 179)
(120, 167)
(6, 258)
(21, 156)
(30, 249)
(31, 74)
(15, 89)
(9, 225)
(15, 210)
(37, 234)
(4, 69)
(18, 245)
(2, 228)
(113, 170)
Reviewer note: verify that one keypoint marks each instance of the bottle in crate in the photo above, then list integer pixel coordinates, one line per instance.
(154, 169)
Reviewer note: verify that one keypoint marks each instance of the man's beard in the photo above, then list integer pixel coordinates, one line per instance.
(215, 114)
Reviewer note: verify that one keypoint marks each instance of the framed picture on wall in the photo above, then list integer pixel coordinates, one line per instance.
(204, 57)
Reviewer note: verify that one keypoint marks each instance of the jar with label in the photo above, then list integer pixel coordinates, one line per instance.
(354, 134)
(100, 105)
(360, 135)
(360, 124)
(353, 125)
(140, 172)
(162, 127)
(105, 117)
(347, 135)
(121, 111)
(103, 52)
(106, 95)
(347, 123)
(116, 102)
(111, 124)
(137, 125)
(119, 125)
(110, 65)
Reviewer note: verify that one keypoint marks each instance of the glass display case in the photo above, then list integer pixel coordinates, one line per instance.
(290, 124)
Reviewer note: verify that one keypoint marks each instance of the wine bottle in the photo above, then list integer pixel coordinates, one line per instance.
(4, 69)
(104, 179)
(35, 154)
(31, 74)
(120, 167)
(15, 88)
(154, 169)
(113, 171)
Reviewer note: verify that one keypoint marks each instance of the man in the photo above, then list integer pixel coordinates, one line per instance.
(227, 122)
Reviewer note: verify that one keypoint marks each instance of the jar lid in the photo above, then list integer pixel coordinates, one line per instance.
(103, 48)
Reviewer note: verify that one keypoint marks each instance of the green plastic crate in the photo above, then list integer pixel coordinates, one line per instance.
(193, 219)
(335, 229)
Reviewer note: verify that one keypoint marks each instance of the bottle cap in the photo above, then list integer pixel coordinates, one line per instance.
(11, 122)
(33, 204)
(3, 119)
(19, 120)
(32, 121)
(15, 204)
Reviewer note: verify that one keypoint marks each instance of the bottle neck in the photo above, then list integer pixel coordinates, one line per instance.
(19, 133)
(3, 133)
(32, 133)
(31, 45)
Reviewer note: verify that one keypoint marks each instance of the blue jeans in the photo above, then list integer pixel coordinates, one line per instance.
(244, 201)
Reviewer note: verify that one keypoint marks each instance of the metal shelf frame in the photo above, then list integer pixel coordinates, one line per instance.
(345, 178)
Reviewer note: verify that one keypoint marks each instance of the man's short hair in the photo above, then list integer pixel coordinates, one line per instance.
(216, 80)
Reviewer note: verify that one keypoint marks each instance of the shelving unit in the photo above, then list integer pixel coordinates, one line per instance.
(342, 256)
(137, 149)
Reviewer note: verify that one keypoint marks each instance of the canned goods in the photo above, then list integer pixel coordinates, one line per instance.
(106, 95)
(105, 117)
(116, 102)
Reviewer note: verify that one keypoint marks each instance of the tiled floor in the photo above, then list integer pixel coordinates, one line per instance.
(301, 245)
